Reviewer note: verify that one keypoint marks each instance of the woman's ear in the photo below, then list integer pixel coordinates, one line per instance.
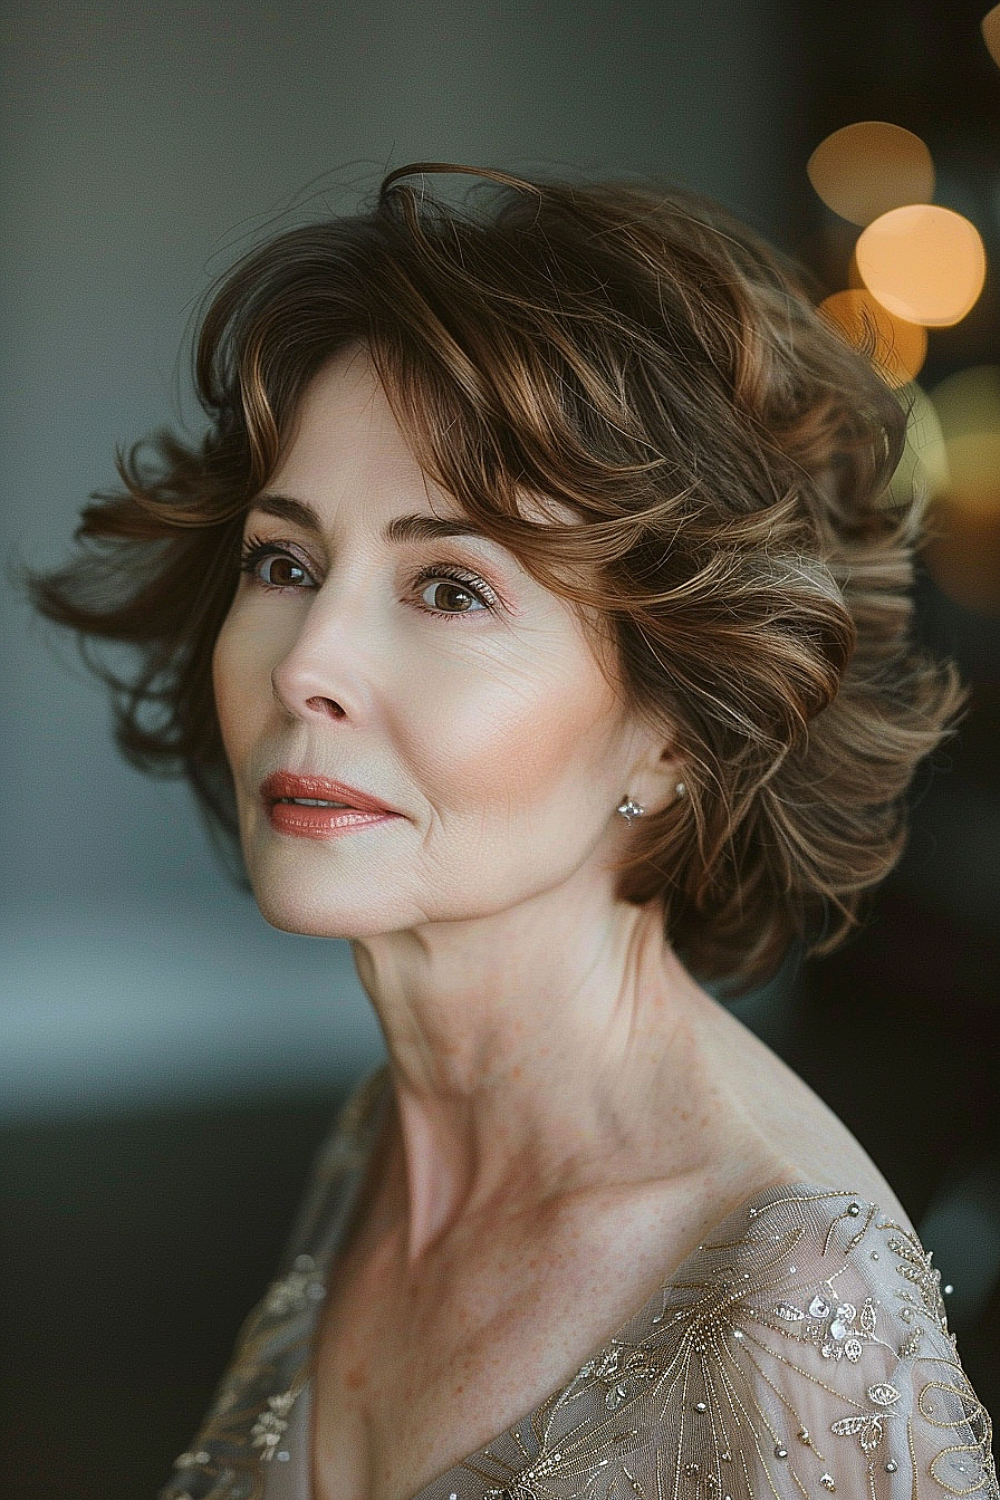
(657, 775)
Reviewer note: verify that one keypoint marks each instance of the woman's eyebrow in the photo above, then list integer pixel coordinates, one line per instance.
(287, 509)
(424, 528)
(413, 528)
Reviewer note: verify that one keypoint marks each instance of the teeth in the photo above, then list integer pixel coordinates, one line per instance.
(312, 802)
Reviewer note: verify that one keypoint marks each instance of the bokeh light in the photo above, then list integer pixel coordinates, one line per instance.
(854, 277)
(922, 473)
(964, 554)
(968, 408)
(991, 33)
(924, 263)
(864, 170)
(895, 347)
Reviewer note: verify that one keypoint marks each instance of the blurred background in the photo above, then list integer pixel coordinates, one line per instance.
(169, 1063)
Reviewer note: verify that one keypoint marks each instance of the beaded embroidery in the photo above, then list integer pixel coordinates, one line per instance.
(802, 1350)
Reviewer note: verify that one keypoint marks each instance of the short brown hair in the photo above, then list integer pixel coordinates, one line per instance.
(641, 357)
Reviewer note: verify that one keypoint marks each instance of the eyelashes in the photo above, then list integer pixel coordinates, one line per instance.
(258, 556)
(254, 553)
(461, 582)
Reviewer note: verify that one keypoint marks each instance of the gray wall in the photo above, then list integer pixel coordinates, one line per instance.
(146, 147)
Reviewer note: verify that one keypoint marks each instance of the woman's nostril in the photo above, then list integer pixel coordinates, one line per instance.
(325, 706)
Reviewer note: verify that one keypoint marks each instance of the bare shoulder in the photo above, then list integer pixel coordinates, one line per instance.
(796, 1136)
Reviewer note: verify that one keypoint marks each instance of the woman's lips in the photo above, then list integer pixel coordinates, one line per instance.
(320, 822)
(315, 807)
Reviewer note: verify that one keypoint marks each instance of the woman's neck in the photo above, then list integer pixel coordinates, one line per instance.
(533, 1054)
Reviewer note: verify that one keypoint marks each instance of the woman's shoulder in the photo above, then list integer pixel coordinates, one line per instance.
(832, 1323)
(802, 1348)
(337, 1168)
(784, 1130)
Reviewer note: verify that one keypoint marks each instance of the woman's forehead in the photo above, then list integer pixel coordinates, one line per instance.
(347, 439)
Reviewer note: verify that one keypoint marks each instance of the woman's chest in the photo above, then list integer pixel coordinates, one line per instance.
(415, 1372)
(406, 1385)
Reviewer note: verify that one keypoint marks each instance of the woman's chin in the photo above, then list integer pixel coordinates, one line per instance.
(311, 914)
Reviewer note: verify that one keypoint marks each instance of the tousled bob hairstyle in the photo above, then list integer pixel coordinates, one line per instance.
(638, 356)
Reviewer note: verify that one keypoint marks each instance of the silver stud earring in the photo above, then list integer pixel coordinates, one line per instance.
(629, 810)
(680, 789)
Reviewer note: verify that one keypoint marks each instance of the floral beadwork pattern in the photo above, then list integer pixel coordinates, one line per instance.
(831, 1326)
(242, 1437)
(781, 1361)
(802, 1350)
(252, 1405)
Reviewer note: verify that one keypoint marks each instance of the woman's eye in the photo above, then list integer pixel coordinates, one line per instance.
(282, 572)
(452, 596)
(276, 569)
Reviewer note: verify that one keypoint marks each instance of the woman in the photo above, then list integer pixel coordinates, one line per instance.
(535, 608)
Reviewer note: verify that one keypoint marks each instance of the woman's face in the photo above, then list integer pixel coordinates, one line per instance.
(428, 672)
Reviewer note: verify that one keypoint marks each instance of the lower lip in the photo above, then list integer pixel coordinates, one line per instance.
(322, 822)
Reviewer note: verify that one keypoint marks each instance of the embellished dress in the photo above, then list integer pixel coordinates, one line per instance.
(802, 1350)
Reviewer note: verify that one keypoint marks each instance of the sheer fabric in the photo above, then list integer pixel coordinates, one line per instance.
(802, 1350)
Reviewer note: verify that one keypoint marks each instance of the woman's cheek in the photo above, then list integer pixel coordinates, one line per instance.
(502, 737)
(236, 685)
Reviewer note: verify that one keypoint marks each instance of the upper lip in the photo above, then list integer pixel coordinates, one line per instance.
(286, 784)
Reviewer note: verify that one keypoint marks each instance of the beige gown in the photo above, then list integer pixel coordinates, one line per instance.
(801, 1351)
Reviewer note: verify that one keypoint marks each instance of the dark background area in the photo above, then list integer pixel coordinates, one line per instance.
(140, 1226)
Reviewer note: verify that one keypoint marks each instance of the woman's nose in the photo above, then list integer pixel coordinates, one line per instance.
(315, 706)
(322, 675)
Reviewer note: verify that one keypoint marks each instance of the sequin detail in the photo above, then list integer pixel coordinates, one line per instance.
(802, 1349)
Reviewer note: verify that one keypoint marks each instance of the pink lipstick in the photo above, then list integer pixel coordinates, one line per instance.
(314, 807)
